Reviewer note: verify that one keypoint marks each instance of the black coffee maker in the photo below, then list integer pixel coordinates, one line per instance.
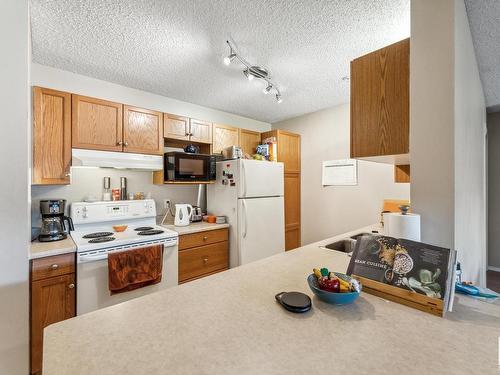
(53, 220)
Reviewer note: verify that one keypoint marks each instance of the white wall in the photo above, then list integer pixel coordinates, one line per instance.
(53, 78)
(14, 187)
(493, 189)
(447, 130)
(326, 211)
(431, 119)
(470, 153)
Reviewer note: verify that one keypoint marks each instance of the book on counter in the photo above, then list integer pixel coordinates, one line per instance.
(415, 267)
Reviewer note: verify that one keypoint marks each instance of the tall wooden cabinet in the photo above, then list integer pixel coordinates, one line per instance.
(380, 88)
(51, 137)
(288, 152)
(53, 299)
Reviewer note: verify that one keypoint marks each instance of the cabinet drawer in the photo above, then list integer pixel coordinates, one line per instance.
(188, 241)
(52, 266)
(203, 260)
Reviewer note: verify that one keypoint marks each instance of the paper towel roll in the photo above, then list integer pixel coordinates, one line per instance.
(402, 226)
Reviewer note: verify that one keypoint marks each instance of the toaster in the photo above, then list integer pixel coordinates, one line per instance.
(232, 152)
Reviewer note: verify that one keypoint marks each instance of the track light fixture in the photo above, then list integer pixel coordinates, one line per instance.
(253, 71)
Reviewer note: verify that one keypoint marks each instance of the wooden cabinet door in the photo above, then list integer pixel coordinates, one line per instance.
(224, 136)
(51, 137)
(200, 131)
(292, 210)
(203, 261)
(142, 130)
(52, 300)
(289, 150)
(249, 140)
(380, 87)
(96, 124)
(175, 127)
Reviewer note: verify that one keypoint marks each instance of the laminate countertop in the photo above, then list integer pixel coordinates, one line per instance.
(230, 323)
(46, 249)
(195, 227)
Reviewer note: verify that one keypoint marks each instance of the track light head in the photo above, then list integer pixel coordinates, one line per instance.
(248, 74)
(229, 59)
(268, 89)
(278, 98)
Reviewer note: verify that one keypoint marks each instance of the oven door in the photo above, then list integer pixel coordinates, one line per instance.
(92, 280)
(189, 167)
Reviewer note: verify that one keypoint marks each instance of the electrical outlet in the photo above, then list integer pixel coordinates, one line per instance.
(166, 203)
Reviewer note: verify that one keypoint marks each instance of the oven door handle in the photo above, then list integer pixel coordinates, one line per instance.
(92, 258)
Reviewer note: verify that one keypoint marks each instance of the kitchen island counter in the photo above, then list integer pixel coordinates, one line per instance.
(230, 323)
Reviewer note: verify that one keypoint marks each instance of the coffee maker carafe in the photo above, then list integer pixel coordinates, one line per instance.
(53, 220)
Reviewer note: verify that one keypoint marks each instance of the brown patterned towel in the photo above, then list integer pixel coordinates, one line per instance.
(133, 269)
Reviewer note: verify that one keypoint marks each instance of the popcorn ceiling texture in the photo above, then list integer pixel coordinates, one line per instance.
(175, 48)
(484, 20)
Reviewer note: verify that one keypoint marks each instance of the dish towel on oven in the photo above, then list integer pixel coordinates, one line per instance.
(133, 269)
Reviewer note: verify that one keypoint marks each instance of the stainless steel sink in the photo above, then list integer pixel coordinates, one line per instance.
(346, 245)
(356, 236)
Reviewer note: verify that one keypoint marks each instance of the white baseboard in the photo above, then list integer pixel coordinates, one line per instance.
(491, 268)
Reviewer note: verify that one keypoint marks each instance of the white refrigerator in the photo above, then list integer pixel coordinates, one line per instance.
(250, 194)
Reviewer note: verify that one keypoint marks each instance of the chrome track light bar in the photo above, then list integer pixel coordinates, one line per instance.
(252, 71)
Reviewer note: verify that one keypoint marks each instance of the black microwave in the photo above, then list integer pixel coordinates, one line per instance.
(183, 166)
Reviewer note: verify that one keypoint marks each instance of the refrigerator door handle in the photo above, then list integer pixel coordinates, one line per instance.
(243, 179)
(245, 217)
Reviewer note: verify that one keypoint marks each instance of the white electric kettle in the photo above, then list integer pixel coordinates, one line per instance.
(183, 214)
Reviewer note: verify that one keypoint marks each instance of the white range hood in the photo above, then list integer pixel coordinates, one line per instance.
(110, 159)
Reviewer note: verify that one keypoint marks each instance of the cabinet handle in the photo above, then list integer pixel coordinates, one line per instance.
(187, 134)
(54, 267)
(120, 143)
(71, 286)
(125, 144)
(67, 174)
(205, 238)
(205, 260)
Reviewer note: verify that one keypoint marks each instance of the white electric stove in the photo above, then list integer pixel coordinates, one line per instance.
(95, 238)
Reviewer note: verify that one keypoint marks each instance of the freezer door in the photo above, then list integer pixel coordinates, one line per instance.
(260, 179)
(261, 228)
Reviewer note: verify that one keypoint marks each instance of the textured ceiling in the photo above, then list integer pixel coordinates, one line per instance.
(175, 48)
(484, 20)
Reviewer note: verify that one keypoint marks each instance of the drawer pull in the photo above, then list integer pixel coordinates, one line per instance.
(54, 267)
(205, 260)
(205, 238)
(71, 286)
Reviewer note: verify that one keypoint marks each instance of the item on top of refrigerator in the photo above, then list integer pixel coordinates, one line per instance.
(220, 220)
(232, 152)
(263, 150)
(115, 193)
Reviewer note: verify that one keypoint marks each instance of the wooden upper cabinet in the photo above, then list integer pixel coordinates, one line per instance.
(249, 140)
(175, 127)
(200, 131)
(51, 137)
(224, 136)
(380, 84)
(96, 124)
(142, 130)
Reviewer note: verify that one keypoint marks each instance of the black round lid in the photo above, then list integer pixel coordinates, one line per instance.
(294, 301)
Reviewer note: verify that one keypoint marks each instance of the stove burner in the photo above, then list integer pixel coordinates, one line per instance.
(140, 229)
(101, 239)
(150, 232)
(98, 235)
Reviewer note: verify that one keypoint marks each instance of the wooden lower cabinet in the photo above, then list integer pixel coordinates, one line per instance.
(202, 254)
(53, 299)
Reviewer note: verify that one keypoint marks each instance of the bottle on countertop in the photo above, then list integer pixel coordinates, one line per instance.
(106, 192)
(123, 188)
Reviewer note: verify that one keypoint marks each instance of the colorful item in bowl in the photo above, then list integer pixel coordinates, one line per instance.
(120, 228)
(333, 287)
